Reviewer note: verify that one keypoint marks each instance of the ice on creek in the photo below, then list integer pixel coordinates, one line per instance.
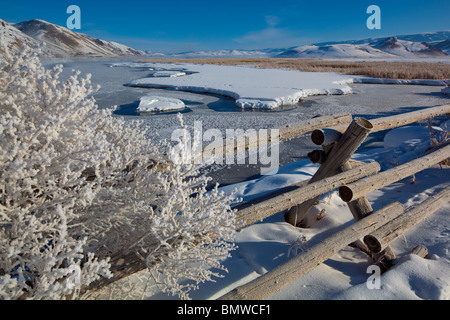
(158, 104)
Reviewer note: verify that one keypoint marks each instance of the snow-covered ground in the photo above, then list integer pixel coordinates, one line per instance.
(269, 243)
(336, 51)
(446, 90)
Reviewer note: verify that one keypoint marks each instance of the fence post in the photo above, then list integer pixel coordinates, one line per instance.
(381, 238)
(352, 138)
(361, 208)
(275, 280)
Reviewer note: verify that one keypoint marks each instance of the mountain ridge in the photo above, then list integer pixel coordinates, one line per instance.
(61, 42)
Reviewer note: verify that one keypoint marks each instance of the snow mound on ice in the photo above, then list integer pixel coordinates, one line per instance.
(157, 104)
(168, 74)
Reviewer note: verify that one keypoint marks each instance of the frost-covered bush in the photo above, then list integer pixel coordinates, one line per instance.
(78, 186)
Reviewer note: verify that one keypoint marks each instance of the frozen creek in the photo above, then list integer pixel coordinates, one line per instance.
(215, 111)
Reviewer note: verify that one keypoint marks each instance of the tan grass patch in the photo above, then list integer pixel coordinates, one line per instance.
(376, 69)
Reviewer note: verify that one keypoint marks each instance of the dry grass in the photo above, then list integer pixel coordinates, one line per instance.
(377, 69)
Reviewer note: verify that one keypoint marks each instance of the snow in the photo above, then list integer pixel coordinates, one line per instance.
(409, 135)
(157, 104)
(267, 244)
(61, 41)
(168, 74)
(426, 82)
(271, 242)
(249, 86)
(336, 51)
(446, 90)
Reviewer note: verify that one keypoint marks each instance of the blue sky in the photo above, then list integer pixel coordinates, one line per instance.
(177, 26)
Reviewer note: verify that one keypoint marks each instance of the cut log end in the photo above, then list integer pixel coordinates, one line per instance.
(346, 193)
(373, 244)
(420, 251)
(364, 123)
(316, 156)
(318, 137)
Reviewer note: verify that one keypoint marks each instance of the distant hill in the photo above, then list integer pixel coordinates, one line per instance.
(13, 37)
(421, 45)
(428, 44)
(335, 51)
(233, 53)
(444, 46)
(406, 48)
(428, 37)
(62, 42)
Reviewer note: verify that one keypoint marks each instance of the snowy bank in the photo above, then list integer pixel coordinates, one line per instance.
(158, 104)
(168, 74)
(446, 90)
(249, 86)
(425, 82)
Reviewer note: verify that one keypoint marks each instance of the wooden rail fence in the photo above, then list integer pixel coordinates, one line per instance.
(340, 136)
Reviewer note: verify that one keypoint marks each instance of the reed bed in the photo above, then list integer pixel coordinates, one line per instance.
(376, 69)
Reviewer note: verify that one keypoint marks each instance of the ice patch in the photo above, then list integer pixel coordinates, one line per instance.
(158, 104)
(168, 74)
(252, 88)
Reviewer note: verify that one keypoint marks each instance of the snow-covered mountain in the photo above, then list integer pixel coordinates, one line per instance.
(406, 48)
(423, 45)
(444, 46)
(62, 42)
(14, 38)
(65, 42)
(234, 53)
(428, 37)
(428, 44)
(335, 51)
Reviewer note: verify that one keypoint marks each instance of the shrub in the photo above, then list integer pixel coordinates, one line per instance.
(79, 186)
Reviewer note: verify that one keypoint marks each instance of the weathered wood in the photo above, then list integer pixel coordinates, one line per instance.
(381, 238)
(327, 136)
(130, 263)
(276, 279)
(420, 251)
(235, 145)
(317, 156)
(350, 141)
(297, 129)
(364, 186)
(399, 120)
(361, 208)
(286, 200)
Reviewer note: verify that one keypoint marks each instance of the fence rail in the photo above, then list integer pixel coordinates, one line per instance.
(377, 229)
(341, 137)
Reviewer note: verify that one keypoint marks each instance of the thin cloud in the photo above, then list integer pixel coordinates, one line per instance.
(272, 36)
